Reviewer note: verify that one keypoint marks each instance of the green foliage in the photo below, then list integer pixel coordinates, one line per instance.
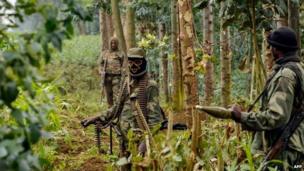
(20, 60)
(238, 13)
(103, 5)
(153, 47)
(153, 11)
(80, 50)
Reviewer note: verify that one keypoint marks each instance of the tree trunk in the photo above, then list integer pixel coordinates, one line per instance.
(258, 70)
(119, 29)
(110, 27)
(267, 57)
(130, 26)
(225, 66)
(208, 40)
(282, 19)
(162, 33)
(188, 58)
(294, 20)
(178, 92)
(104, 37)
(81, 27)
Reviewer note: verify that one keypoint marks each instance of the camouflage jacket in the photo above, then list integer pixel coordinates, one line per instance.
(112, 61)
(277, 107)
(127, 118)
(154, 115)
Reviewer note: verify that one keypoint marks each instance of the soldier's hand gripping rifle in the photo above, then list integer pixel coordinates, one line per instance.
(99, 125)
(110, 119)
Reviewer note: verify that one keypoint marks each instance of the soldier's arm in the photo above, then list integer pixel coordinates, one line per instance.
(153, 108)
(278, 109)
(101, 61)
(123, 70)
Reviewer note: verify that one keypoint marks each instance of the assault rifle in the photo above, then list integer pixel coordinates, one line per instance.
(111, 119)
(281, 143)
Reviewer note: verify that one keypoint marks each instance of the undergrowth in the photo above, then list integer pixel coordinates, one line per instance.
(74, 82)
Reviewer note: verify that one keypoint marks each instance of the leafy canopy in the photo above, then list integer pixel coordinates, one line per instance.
(21, 56)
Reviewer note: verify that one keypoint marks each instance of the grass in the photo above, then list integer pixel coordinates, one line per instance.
(83, 50)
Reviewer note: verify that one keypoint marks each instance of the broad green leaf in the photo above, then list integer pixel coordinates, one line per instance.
(51, 25)
(34, 133)
(3, 152)
(10, 56)
(23, 165)
(17, 114)
(56, 41)
(10, 92)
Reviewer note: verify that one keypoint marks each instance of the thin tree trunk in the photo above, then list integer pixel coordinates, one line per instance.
(130, 26)
(225, 66)
(258, 70)
(282, 19)
(208, 40)
(190, 81)
(104, 37)
(178, 93)
(81, 27)
(162, 33)
(267, 57)
(294, 20)
(110, 27)
(119, 29)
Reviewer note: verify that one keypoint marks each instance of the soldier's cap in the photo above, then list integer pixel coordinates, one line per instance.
(114, 39)
(136, 53)
(283, 38)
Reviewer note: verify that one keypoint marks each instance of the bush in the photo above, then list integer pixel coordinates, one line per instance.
(81, 50)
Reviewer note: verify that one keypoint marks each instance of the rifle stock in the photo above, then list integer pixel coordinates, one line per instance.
(275, 150)
(282, 142)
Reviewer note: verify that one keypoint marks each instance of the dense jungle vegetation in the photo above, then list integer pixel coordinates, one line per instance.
(49, 77)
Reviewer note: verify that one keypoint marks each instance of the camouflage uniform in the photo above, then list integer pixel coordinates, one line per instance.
(139, 82)
(154, 113)
(112, 61)
(277, 107)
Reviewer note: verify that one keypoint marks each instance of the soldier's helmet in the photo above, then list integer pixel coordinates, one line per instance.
(115, 41)
(136, 53)
(137, 62)
(284, 38)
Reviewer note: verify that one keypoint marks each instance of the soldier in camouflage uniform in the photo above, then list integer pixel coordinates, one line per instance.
(279, 101)
(144, 90)
(110, 64)
(148, 100)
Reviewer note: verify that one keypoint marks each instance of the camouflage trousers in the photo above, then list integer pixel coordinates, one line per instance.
(292, 161)
(112, 86)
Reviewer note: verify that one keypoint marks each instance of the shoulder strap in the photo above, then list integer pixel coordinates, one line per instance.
(264, 90)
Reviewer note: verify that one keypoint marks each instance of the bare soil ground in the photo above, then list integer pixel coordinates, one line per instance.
(93, 164)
